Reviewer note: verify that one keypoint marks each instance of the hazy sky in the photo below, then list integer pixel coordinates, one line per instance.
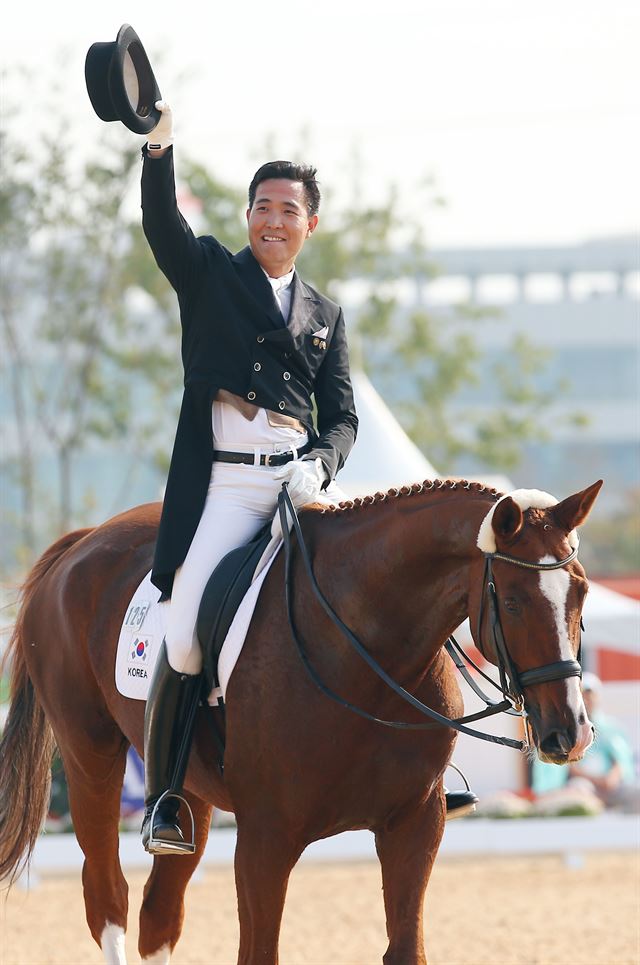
(526, 113)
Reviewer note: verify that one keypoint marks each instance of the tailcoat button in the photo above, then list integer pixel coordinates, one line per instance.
(281, 405)
(316, 341)
(260, 338)
(257, 367)
(286, 376)
(251, 396)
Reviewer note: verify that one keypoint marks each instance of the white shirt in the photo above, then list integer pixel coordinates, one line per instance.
(282, 291)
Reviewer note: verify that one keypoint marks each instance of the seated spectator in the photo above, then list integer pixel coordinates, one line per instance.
(607, 769)
(607, 766)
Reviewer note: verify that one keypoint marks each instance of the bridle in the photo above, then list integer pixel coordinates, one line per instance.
(512, 683)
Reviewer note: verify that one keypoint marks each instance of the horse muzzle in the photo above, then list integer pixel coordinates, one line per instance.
(565, 745)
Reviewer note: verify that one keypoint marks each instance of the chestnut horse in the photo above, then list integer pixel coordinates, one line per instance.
(402, 570)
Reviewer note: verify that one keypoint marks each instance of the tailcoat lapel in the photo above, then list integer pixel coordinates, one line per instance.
(256, 281)
(303, 308)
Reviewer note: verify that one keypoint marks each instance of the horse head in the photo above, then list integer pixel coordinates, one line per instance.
(525, 612)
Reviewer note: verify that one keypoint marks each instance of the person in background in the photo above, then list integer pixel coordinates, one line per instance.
(607, 767)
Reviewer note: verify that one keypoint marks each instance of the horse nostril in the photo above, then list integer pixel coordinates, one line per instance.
(557, 744)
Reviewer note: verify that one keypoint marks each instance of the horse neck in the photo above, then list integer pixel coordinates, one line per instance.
(405, 563)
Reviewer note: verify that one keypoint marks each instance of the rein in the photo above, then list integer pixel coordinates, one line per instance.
(512, 693)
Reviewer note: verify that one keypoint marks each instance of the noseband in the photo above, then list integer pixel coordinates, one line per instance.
(512, 683)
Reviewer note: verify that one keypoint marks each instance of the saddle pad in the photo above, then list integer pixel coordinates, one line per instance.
(143, 630)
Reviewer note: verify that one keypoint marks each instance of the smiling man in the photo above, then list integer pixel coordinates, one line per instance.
(258, 346)
(282, 214)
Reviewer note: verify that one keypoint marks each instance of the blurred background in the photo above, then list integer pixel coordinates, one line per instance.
(480, 218)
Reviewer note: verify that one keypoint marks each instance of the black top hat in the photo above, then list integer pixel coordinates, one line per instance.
(121, 84)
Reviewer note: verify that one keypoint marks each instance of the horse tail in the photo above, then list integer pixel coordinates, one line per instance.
(27, 745)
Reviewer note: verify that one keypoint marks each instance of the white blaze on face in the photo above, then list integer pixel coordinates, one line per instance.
(161, 957)
(112, 945)
(554, 585)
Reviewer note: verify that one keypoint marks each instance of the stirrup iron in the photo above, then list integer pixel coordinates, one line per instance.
(159, 845)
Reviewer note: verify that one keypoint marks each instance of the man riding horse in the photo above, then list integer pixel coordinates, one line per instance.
(257, 344)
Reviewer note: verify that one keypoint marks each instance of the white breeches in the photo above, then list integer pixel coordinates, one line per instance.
(240, 500)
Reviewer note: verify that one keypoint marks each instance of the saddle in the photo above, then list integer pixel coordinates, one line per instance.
(222, 596)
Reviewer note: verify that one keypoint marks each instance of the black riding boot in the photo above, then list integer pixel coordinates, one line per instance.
(459, 803)
(168, 728)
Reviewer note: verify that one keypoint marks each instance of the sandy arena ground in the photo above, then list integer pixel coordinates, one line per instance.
(510, 911)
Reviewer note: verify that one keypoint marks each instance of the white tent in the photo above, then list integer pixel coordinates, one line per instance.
(383, 455)
(611, 620)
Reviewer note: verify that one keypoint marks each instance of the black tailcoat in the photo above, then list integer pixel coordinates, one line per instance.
(234, 338)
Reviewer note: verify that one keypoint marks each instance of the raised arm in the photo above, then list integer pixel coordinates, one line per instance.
(176, 249)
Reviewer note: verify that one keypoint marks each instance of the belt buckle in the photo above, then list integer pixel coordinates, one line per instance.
(274, 455)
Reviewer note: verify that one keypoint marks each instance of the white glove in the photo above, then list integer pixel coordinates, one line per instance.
(305, 478)
(162, 134)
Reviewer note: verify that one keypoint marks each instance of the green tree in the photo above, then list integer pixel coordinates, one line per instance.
(70, 336)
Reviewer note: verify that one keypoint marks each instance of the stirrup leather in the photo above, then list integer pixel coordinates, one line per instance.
(159, 845)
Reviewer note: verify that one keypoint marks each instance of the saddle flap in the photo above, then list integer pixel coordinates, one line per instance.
(222, 596)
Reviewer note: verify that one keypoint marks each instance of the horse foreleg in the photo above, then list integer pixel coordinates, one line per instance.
(162, 911)
(264, 858)
(407, 850)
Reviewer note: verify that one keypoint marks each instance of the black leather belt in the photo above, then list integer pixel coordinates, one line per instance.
(267, 459)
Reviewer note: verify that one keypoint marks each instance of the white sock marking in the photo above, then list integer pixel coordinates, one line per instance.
(161, 957)
(112, 944)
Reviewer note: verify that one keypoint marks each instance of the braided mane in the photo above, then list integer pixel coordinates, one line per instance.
(429, 485)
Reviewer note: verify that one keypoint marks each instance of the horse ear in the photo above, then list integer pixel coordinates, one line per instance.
(507, 519)
(573, 510)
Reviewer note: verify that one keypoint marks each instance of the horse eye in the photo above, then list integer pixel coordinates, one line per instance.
(512, 604)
